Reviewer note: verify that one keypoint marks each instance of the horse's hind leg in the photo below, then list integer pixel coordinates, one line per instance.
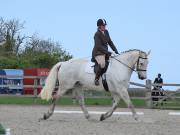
(50, 111)
(125, 96)
(52, 107)
(80, 97)
(116, 99)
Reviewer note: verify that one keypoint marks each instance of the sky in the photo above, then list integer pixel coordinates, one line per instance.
(133, 24)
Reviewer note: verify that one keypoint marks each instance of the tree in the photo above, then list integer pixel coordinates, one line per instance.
(44, 53)
(10, 34)
(17, 51)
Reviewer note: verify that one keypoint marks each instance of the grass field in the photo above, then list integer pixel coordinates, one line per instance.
(25, 100)
(65, 101)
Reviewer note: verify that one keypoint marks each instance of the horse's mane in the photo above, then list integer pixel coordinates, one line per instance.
(130, 50)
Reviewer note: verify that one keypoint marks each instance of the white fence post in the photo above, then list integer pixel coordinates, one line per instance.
(148, 93)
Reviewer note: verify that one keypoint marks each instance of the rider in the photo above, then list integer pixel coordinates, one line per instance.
(100, 53)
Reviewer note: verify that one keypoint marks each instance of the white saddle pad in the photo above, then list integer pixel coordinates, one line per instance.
(89, 68)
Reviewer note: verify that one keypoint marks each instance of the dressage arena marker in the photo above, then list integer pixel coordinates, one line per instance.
(174, 113)
(95, 112)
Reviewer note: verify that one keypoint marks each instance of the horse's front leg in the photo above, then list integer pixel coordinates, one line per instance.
(116, 99)
(125, 96)
(80, 98)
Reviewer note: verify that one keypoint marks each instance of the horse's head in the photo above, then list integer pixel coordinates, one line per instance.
(142, 63)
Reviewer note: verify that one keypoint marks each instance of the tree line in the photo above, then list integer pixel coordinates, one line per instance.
(27, 51)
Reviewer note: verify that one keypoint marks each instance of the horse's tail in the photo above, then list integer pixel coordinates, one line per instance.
(46, 92)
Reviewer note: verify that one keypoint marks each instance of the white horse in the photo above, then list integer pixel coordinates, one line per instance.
(72, 76)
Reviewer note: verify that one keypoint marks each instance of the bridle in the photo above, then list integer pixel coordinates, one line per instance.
(137, 69)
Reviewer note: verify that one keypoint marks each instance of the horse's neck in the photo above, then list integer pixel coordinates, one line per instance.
(130, 58)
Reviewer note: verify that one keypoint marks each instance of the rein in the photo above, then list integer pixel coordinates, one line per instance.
(114, 57)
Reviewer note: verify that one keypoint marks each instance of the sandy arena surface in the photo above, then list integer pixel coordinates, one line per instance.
(23, 120)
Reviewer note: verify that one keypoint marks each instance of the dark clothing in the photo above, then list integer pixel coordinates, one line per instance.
(101, 42)
(157, 91)
(158, 80)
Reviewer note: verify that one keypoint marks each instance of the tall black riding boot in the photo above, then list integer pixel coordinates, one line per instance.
(98, 75)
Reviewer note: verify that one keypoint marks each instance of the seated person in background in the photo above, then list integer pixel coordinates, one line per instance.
(158, 80)
(157, 89)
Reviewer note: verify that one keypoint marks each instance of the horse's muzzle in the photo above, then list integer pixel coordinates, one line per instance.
(141, 77)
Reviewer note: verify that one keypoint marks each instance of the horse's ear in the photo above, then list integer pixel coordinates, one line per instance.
(148, 52)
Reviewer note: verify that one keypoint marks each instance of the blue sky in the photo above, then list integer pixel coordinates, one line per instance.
(143, 24)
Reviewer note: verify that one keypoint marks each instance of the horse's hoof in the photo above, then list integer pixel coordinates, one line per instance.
(136, 117)
(87, 116)
(44, 117)
(102, 117)
(40, 119)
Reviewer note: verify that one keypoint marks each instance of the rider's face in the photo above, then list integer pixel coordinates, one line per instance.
(103, 27)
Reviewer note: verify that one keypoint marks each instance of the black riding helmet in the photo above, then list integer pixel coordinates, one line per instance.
(101, 22)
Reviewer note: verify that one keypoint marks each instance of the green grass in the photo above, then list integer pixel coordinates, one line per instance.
(64, 101)
(2, 130)
(168, 105)
(108, 102)
(23, 100)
